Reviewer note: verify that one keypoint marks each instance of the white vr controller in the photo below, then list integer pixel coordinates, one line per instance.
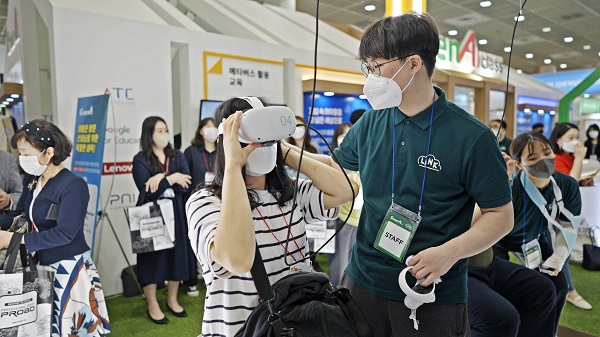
(265, 125)
(413, 299)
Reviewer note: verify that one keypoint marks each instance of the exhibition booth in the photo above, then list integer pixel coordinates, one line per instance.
(155, 60)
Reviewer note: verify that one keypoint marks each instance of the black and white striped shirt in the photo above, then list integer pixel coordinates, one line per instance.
(230, 298)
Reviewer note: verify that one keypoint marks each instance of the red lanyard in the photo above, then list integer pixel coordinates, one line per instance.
(165, 169)
(206, 162)
(281, 244)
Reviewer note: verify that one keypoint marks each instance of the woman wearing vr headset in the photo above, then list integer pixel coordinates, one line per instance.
(248, 204)
(547, 205)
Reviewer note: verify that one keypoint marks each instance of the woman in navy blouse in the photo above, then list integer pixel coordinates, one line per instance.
(55, 202)
(162, 172)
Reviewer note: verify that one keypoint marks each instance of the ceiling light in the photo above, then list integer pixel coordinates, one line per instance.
(507, 49)
(568, 39)
(586, 95)
(546, 29)
(2, 105)
(370, 8)
(328, 93)
(587, 46)
(14, 95)
(599, 54)
(563, 65)
(547, 61)
(452, 32)
(540, 112)
(482, 41)
(527, 110)
(362, 96)
(553, 112)
(529, 55)
(520, 18)
(519, 71)
(485, 4)
(10, 99)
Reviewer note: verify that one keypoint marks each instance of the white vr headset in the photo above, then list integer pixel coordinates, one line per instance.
(265, 125)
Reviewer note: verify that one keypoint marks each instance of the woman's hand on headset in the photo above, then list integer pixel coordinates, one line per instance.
(235, 155)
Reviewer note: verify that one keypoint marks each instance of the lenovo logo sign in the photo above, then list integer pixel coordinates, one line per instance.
(117, 168)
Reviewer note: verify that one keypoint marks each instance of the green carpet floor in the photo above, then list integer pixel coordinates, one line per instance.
(129, 319)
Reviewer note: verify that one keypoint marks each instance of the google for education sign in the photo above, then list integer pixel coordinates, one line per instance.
(465, 57)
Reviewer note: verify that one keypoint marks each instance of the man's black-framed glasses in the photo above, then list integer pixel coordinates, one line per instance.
(374, 67)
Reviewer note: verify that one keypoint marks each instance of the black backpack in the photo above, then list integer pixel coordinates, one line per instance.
(302, 305)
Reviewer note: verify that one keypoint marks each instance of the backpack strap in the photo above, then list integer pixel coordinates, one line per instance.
(260, 277)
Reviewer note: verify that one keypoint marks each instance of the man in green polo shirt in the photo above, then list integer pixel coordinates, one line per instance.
(435, 161)
(498, 127)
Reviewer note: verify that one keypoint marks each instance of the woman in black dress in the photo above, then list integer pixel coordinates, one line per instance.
(162, 172)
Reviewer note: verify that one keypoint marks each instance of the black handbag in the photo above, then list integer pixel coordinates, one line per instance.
(300, 305)
(591, 253)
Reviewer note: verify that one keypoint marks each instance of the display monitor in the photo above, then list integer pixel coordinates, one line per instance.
(208, 107)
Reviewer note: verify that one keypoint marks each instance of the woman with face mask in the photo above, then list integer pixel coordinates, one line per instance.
(547, 205)
(569, 160)
(591, 143)
(249, 203)
(200, 155)
(162, 172)
(298, 138)
(55, 202)
(568, 149)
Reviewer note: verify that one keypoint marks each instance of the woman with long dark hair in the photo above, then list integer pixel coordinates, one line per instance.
(547, 205)
(591, 143)
(200, 155)
(249, 203)
(55, 202)
(160, 171)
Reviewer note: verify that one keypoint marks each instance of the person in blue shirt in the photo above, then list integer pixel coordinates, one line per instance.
(55, 202)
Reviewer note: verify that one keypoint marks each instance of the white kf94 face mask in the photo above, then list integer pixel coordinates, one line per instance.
(31, 164)
(383, 92)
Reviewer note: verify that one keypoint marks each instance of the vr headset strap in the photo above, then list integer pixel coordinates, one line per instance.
(260, 277)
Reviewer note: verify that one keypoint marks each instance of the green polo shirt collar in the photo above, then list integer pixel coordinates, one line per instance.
(423, 118)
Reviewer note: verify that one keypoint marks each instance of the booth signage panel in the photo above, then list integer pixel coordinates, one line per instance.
(88, 153)
(589, 106)
(465, 57)
(568, 80)
(227, 76)
(329, 112)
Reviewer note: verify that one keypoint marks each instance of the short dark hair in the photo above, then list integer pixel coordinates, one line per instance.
(537, 125)
(356, 115)
(146, 142)
(198, 139)
(503, 124)
(58, 140)
(278, 181)
(396, 37)
(559, 130)
(526, 140)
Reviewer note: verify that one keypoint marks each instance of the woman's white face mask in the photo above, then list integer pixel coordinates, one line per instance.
(261, 161)
(31, 164)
